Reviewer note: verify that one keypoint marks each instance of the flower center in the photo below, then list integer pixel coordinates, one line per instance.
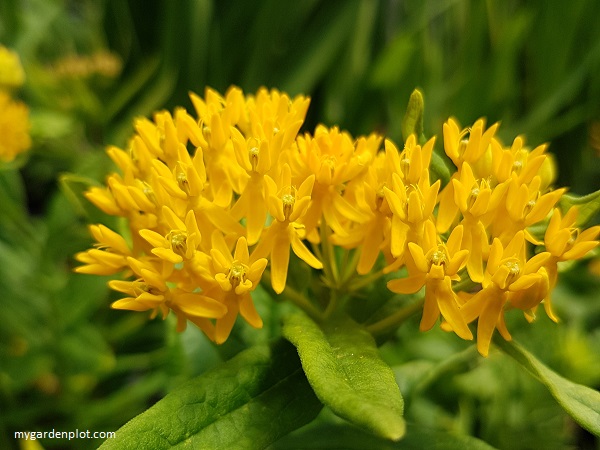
(237, 273)
(178, 240)
(513, 270)
(182, 181)
(405, 165)
(140, 287)
(573, 238)
(148, 192)
(253, 153)
(529, 206)
(288, 204)
(439, 257)
(517, 166)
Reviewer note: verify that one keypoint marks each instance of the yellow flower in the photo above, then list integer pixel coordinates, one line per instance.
(436, 265)
(474, 150)
(142, 296)
(109, 255)
(412, 161)
(411, 206)
(236, 277)
(471, 149)
(287, 205)
(507, 271)
(150, 291)
(273, 117)
(565, 242)
(11, 71)
(180, 242)
(524, 205)
(332, 158)
(14, 128)
(521, 163)
(217, 116)
(271, 126)
(372, 236)
(475, 199)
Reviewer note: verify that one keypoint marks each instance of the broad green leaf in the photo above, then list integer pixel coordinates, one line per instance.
(588, 205)
(581, 402)
(250, 401)
(342, 364)
(327, 436)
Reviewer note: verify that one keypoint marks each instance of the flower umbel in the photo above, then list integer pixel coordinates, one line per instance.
(216, 202)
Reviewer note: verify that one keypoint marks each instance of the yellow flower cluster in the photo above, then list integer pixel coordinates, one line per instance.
(14, 115)
(212, 200)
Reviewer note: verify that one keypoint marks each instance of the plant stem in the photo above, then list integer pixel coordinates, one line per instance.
(359, 283)
(396, 318)
(297, 298)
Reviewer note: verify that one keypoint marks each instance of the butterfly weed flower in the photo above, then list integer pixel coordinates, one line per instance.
(287, 205)
(180, 241)
(109, 255)
(410, 163)
(436, 265)
(412, 205)
(508, 270)
(524, 206)
(269, 130)
(472, 146)
(371, 236)
(476, 200)
(333, 159)
(216, 202)
(236, 276)
(565, 242)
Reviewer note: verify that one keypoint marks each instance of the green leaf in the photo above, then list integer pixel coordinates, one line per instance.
(73, 187)
(328, 436)
(342, 363)
(588, 205)
(581, 402)
(250, 401)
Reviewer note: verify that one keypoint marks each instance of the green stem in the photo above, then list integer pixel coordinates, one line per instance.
(464, 285)
(328, 253)
(297, 298)
(359, 283)
(457, 363)
(396, 318)
(350, 266)
(332, 305)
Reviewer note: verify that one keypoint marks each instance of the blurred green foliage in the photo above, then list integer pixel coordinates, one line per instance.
(68, 362)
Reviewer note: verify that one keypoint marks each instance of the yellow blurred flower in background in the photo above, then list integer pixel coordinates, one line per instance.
(14, 128)
(11, 71)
